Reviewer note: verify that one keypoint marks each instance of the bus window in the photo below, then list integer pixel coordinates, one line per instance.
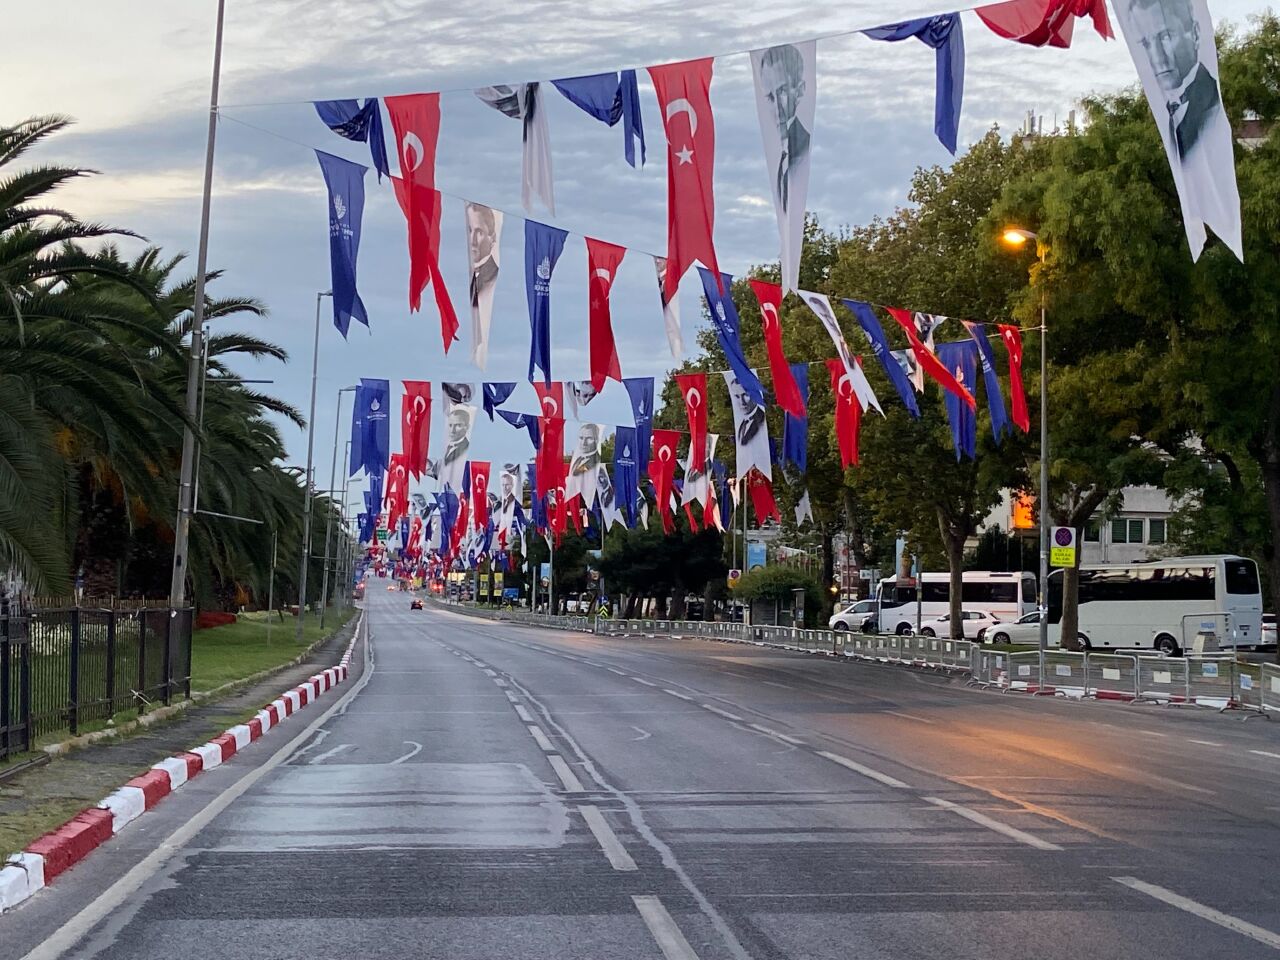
(1242, 576)
(936, 591)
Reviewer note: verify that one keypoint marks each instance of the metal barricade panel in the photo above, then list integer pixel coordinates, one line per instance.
(1111, 676)
(1211, 678)
(1270, 686)
(1162, 679)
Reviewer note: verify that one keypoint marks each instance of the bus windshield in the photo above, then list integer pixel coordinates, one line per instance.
(1241, 576)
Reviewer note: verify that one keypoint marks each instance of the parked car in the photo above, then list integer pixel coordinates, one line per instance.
(974, 620)
(415, 603)
(1026, 629)
(852, 616)
(1268, 635)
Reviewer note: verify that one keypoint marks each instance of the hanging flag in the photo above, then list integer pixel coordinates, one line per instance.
(670, 310)
(510, 511)
(760, 488)
(750, 431)
(1172, 45)
(458, 421)
(662, 469)
(786, 81)
(804, 509)
(785, 389)
(602, 266)
(795, 430)
(724, 319)
(537, 502)
(397, 495)
(866, 318)
(961, 359)
(640, 389)
(550, 398)
(542, 248)
(848, 413)
(821, 306)
(928, 360)
(1041, 22)
(415, 431)
(455, 393)
(579, 393)
(584, 464)
(1012, 338)
(684, 97)
(926, 325)
(550, 454)
(484, 236)
(724, 497)
(610, 97)
(370, 428)
(626, 472)
(479, 494)
(494, 394)
(351, 121)
(990, 379)
(345, 181)
(524, 102)
(697, 476)
(693, 388)
(946, 36)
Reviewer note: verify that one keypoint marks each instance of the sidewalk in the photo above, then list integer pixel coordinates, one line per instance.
(41, 798)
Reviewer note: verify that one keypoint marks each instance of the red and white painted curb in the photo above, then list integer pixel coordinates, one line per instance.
(26, 873)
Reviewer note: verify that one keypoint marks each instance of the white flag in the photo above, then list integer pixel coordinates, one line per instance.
(458, 422)
(484, 233)
(750, 431)
(821, 306)
(1171, 42)
(524, 102)
(512, 494)
(804, 511)
(670, 310)
(697, 481)
(786, 95)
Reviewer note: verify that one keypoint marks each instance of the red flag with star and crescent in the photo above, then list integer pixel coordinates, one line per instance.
(550, 459)
(480, 494)
(1044, 22)
(1012, 338)
(928, 360)
(848, 411)
(550, 398)
(785, 388)
(397, 495)
(602, 266)
(693, 387)
(415, 433)
(684, 96)
(763, 503)
(662, 469)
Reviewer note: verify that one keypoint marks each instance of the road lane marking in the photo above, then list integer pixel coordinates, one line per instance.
(1204, 743)
(512, 697)
(909, 716)
(677, 693)
(621, 673)
(668, 936)
(540, 739)
(644, 734)
(770, 732)
(856, 767)
(489, 673)
(723, 713)
(1013, 833)
(417, 749)
(1264, 753)
(329, 753)
(500, 682)
(1152, 733)
(647, 683)
(523, 714)
(613, 849)
(774, 683)
(1234, 924)
(567, 777)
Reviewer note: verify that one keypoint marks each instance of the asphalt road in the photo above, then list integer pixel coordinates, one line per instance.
(485, 791)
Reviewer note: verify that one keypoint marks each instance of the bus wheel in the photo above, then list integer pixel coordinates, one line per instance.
(904, 629)
(1167, 645)
(1085, 643)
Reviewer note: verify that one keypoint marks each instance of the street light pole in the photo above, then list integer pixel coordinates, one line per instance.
(328, 532)
(306, 480)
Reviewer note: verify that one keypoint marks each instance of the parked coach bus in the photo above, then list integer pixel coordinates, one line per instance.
(1163, 604)
(1007, 596)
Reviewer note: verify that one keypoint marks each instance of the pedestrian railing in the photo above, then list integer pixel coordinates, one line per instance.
(1269, 687)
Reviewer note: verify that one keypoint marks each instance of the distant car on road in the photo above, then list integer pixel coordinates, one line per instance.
(1268, 638)
(415, 603)
(974, 620)
(1026, 629)
(852, 616)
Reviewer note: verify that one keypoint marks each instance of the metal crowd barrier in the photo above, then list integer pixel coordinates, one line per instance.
(1269, 686)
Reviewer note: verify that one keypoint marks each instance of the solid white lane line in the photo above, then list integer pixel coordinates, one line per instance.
(1013, 833)
(723, 713)
(677, 693)
(1205, 743)
(489, 673)
(774, 683)
(417, 749)
(613, 849)
(909, 716)
(620, 673)
(668, 936)
(1234, 924)
(1264, 753)
(329, 753)
(567, 777)
(856, 767)
(769, 731)
(540, 739)
(1152, 733)
(647, 683)
(523, 714)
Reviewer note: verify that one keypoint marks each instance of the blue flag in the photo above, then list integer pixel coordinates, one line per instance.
(537, 504)
(724, 317)
(345, 181)
(370, 428)
(946, 36)
(640, 389)
(542, 248)
(795, 430)
(525, 420)
(961, 360)
(995, 399)
(866, 318)
(404, 534)
(495, 395)
(448, 518)
(373, 496)
(351, 121)
(610, 97)
(626, 472)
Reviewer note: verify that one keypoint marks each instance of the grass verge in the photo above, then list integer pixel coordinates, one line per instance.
(225, 654)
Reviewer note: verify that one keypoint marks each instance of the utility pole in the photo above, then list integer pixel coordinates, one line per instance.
(306, 489)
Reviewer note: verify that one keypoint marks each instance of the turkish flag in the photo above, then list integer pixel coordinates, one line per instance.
(693, 387)
(551, 398)
(1041, 22)
(602, 266)
(480, 493)
(762, 501)
(662, 468)
(785, 389)
(1012, 338)
(397, 498)
(928, 360)
(684, 96)
(848, 411)
(415, 426)
(550, 460)
(415, 537)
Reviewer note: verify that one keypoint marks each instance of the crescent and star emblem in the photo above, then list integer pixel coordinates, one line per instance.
(845, 386)
(549, 404)
(664, 453)
(604, 275)
(681, 105)
(770, 314)
(693, 398)
(411, 149)
(419, 404)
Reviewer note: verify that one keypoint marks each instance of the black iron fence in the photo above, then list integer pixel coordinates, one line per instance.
(68, 668)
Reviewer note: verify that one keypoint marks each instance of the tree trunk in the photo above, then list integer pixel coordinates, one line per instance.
(677, 605)
(953, 543)
(1069, 638)
(1271, 485)
(828, 573)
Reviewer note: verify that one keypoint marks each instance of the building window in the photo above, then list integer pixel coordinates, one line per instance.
(1092, 531)
(1155, 531)
(1126, 531)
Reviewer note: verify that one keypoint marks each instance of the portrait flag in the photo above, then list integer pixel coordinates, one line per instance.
(460, 419)
(640, 389)
(961, 358)
(684, 97)
(990, 380)
(785, 390)
(602, 266)
(416, 428)
(786, 81)
(523, 102)
(370, 428)
(494, 394)
(870, 325)
(693, 388)
(610, 97)
(550, 398)
(484, 243)
(795, 430)
(626, 472)
(480, 494)
(697, 475)
(821, 306)
(1044, 22)
(946, 35)
(760, 489)
(750, 429)
(724, 320)
(848, 412)
(351, 121)
(542, 248)
(662, 469)
(1172, 45)
(928, 360)
(345, 182)
(1012, 337)
(670, 310)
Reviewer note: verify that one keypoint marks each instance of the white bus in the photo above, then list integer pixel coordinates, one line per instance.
(1163, 604)
(1006, 596)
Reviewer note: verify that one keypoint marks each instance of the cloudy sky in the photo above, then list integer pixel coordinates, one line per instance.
(135, 76)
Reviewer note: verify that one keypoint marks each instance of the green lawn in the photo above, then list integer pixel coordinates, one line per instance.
(222, 654)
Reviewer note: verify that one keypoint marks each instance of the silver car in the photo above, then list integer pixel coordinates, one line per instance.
(852, 616)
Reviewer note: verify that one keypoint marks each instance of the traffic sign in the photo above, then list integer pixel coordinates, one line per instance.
(734, 576)
(1062, 547)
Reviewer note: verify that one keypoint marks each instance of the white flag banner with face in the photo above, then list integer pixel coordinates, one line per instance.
(484, 233)
(786, 97)
(1171, 42)
(821, 306)
(584, 464)
(524, 102)
(697, 482)
(458, 421)
(750, 431)
(512, 482)
(670, 310)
